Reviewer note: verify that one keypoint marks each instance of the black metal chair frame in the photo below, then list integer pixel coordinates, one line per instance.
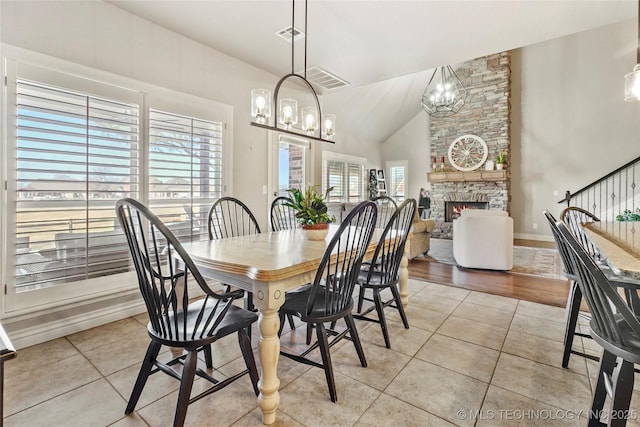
(614, 327)
(330, 296)
(282, 216)
(163, 268)
(385, 273)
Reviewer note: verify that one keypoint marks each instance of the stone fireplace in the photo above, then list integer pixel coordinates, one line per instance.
(488, 81)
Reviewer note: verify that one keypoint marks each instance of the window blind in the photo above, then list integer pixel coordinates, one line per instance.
(185, 171)
(346, 178)
(397, 183)
(75, 155)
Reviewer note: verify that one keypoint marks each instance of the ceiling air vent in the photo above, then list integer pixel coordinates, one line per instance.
(289, 33)
(324, 79)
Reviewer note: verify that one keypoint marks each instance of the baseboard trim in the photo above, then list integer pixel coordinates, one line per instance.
(25, 337)
(533, 237)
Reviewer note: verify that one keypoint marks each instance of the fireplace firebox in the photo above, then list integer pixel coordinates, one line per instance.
(452, 209)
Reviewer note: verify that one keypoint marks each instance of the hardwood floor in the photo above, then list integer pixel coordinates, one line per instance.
(530, 288)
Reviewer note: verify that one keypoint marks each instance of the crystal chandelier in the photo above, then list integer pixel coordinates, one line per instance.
(632, 80)
(445, 94)
(312, 124)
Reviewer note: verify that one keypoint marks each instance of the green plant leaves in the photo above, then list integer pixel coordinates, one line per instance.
(628, 215)
(310, 205)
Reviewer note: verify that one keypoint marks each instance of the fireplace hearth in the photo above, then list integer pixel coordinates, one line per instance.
(452, 209)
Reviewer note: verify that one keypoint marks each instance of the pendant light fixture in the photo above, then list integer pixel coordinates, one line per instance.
(632, 80)
(445, 94)
(312, 123)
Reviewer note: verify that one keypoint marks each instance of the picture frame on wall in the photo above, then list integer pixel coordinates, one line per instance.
(382, 186)
(380, 174)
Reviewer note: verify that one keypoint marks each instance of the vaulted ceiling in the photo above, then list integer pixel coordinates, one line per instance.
(384, 49)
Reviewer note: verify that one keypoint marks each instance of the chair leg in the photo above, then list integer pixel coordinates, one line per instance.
(353, 332)
(145, 370)
(623, 378)
(607, 363)
(309, 332)
(572, 310)
(188, 373)
(248, 305)
(249, 360)
(398, 302)
(323, 342)
(292, 325)
(281, 327)
(361, 298)
(207, 356)
(381, 319)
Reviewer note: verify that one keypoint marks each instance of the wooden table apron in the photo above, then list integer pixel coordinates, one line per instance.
(269, 264)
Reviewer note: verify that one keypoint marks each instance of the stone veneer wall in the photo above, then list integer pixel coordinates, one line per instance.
(486, 114)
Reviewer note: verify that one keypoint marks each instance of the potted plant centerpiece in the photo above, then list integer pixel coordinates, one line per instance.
(500, 160)
(311, 211)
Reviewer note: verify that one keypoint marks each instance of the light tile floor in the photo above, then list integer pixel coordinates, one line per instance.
(468, 359)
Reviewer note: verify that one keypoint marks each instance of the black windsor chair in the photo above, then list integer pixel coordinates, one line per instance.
(574, 217)
(614, 327)
(283, 217)
(386, 207)
(229, 217)
(330, 296)
(174, 319)
(384, 275)
(574, 298)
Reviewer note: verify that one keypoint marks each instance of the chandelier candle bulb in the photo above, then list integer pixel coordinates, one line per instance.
(309, 122)
(261, 105)
(288, 112)
(329, 125)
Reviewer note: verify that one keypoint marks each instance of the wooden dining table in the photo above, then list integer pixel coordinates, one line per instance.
(619, 241)
(268, 265)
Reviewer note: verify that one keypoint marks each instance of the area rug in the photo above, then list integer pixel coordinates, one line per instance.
(526, 260)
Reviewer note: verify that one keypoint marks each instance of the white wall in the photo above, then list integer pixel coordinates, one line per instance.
(101, 36)
(411, 143)
(571, 124)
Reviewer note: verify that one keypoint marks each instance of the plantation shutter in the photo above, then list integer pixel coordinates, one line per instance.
(397, 183)
(334, 177)
(185, 171)
(76, 154)
(356, 182)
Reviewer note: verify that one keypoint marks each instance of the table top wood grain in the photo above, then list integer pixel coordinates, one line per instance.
(620, 242)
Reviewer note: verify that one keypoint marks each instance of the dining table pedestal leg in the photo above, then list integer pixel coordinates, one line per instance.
(269, 351)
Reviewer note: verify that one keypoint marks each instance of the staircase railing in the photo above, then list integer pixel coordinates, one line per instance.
(610, 195)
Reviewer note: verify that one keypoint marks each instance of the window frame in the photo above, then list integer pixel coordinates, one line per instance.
(347, 161)
(397, 163)
(24, 64)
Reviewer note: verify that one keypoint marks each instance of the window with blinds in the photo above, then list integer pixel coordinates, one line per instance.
(397, 182)
(75, 155)
(346, 175)
(185, 171)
